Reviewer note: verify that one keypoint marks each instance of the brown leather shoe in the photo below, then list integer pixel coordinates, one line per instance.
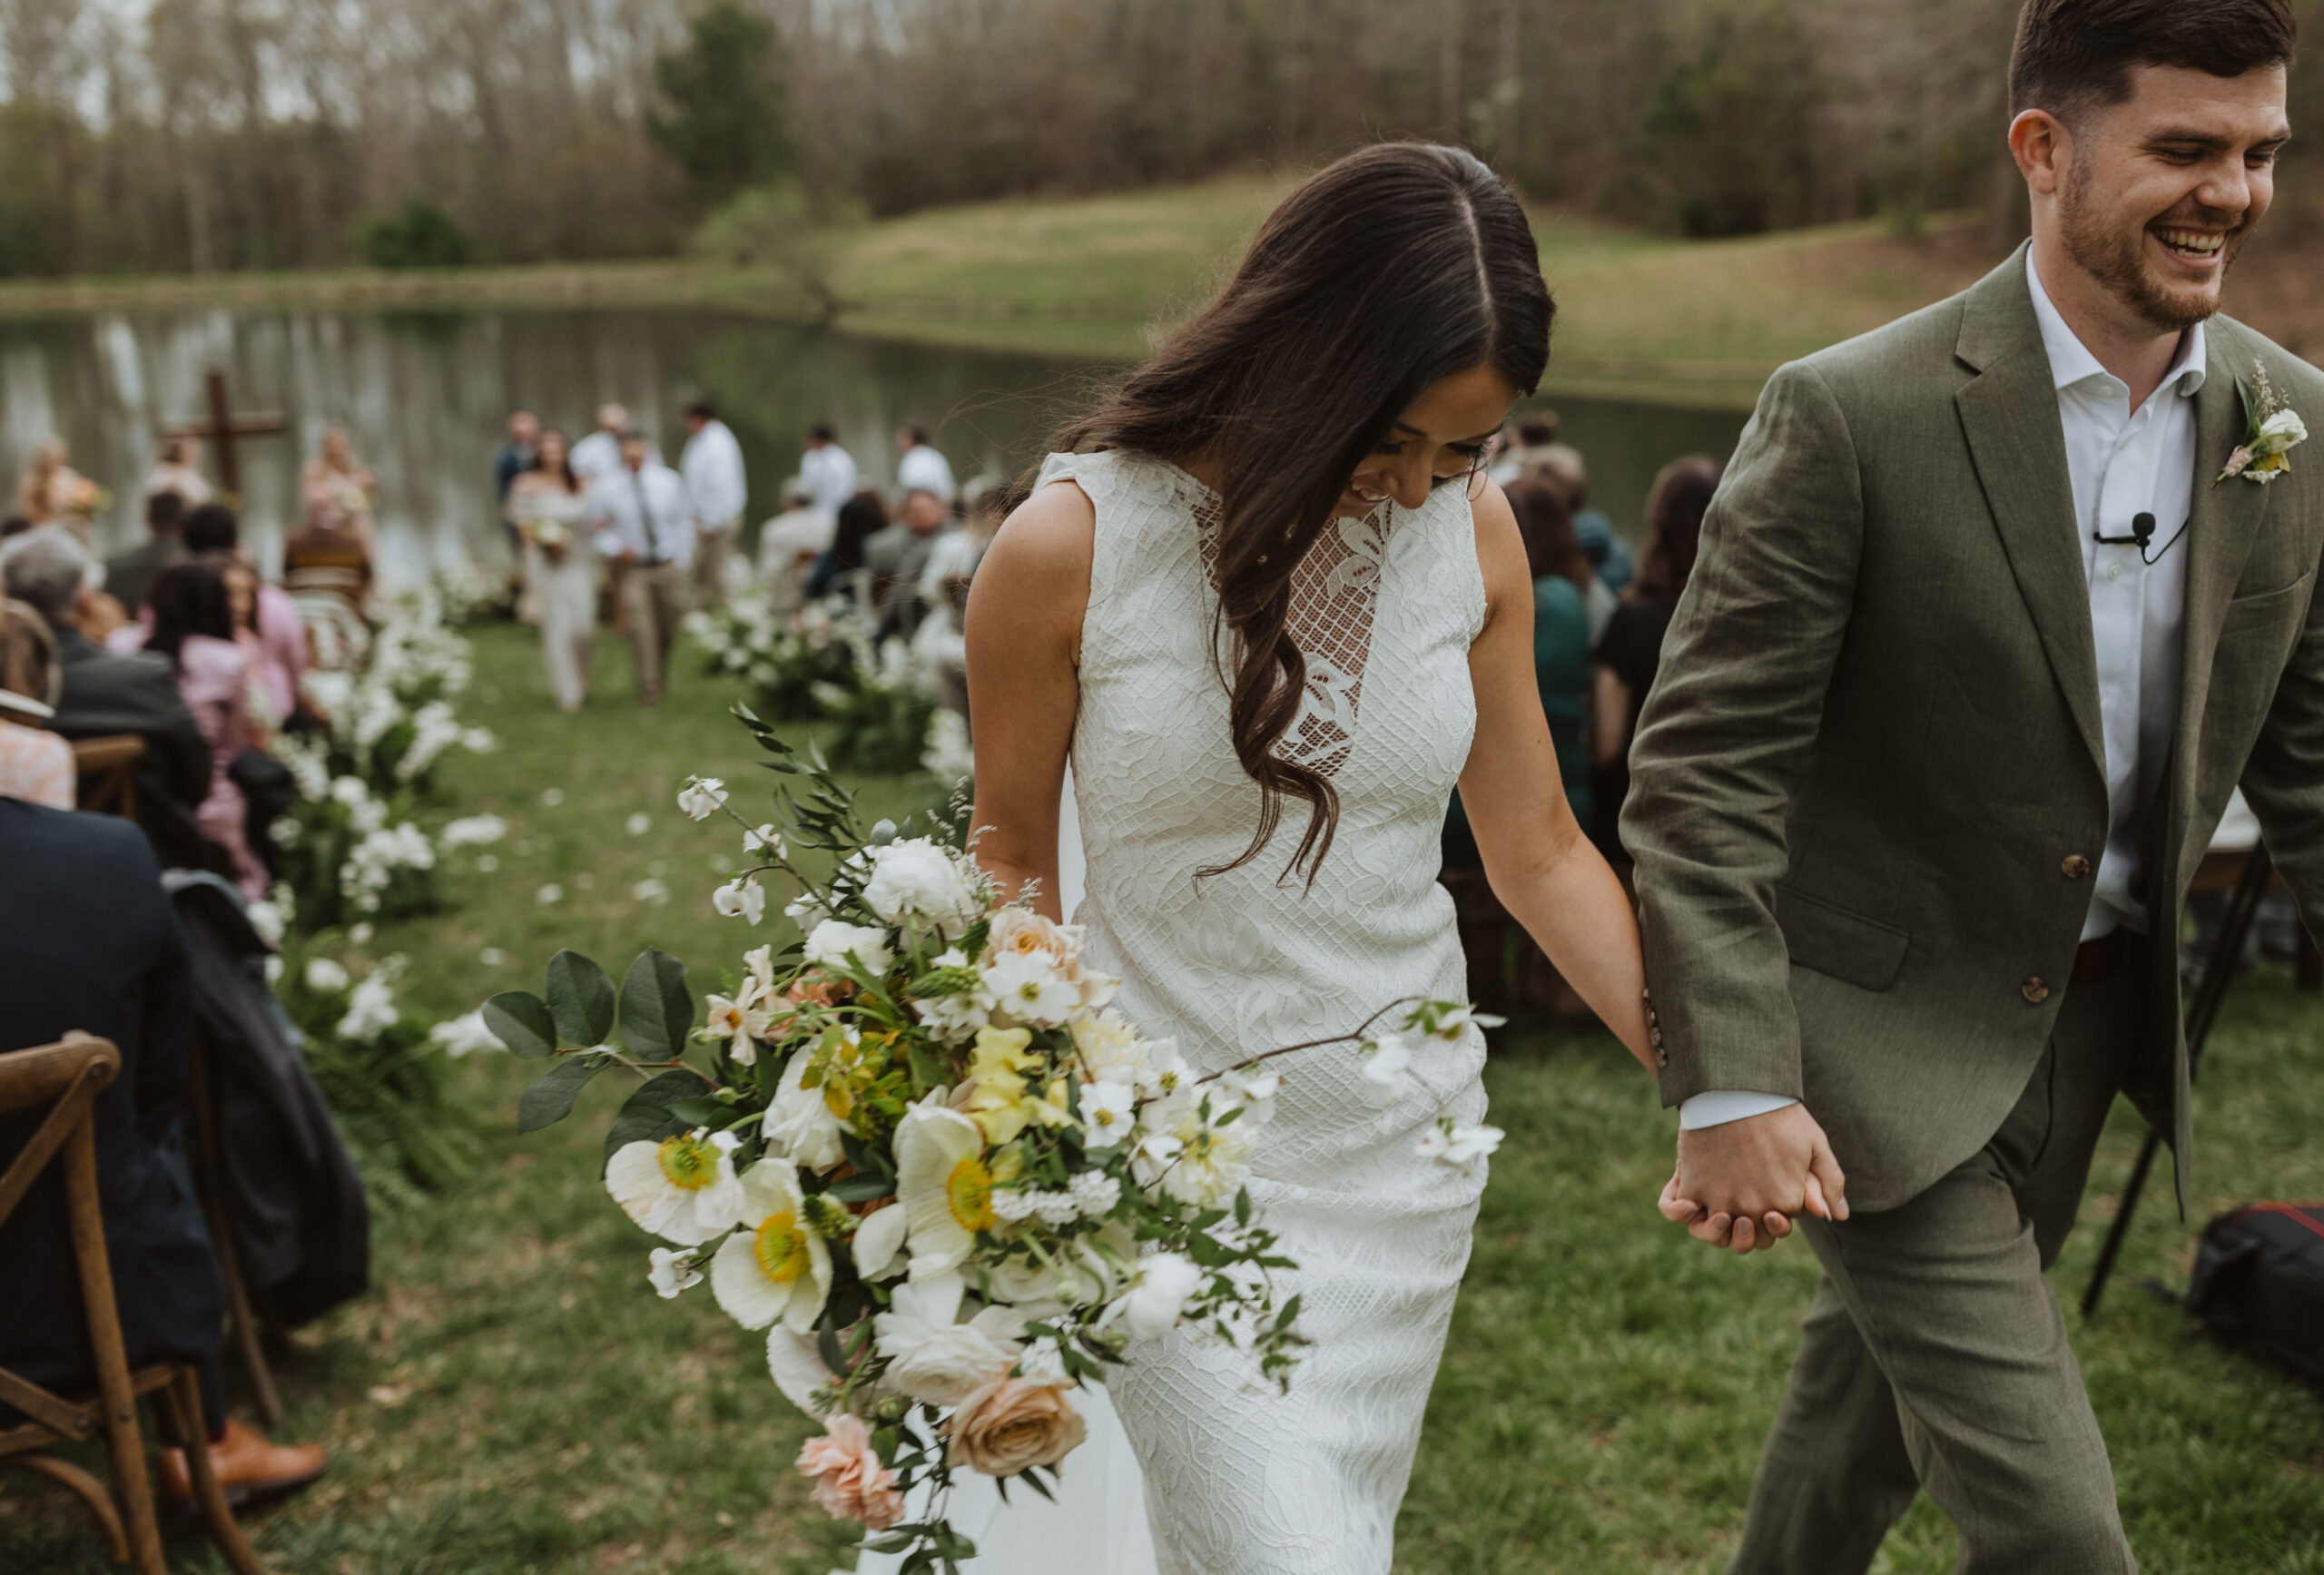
(247, 1467)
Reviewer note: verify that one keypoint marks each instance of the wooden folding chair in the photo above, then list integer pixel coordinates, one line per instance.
(205, 1150)
(107, 771)
(68, 1077)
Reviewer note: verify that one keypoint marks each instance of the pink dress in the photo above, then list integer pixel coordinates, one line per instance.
(36, 766)
(282, 646)
(212, 677)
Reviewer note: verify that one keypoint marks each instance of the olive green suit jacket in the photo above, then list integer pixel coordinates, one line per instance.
(1868, 790)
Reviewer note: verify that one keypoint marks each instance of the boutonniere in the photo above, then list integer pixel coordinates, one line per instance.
(2272, 430)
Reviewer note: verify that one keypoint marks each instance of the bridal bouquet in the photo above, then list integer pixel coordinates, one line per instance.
(922, 1150)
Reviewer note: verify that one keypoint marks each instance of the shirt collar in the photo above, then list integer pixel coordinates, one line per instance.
(2070, 362)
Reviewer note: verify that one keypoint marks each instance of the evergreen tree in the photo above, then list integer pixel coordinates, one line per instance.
(726, 118)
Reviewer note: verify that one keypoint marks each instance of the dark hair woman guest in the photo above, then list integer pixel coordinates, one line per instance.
(193, 626)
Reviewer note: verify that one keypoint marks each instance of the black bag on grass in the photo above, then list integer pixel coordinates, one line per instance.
(2258, 1283)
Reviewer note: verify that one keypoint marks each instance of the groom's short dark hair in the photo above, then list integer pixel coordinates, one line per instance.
(2074, 56)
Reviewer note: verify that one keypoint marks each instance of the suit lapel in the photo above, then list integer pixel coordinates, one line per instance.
(2009, 413)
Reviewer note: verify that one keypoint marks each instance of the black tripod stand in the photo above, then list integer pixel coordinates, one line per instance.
(2210, 991)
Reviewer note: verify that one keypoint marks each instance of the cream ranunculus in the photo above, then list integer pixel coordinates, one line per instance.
(1012, 1423)
(918, 882)
(829, 943)
(942, 1185)
(931, 1355)
(776, 1267)
(799, 1124)
(1155, 1300)
(683, 1188)
(1110, 1047)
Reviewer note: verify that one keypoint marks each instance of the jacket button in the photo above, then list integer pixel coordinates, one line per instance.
(2034, 991)
(1661, 1056)
(1654, 1037)
(2074, 866)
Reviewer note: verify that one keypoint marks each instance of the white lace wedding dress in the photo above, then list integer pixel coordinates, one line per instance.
(1238, 1479)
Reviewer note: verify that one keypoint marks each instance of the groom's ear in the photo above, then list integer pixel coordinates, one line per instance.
(2041, 144)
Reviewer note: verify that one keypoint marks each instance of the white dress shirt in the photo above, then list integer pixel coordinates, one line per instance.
(712, 467)
(2122, 463)
(645, 511)
(923, 469)
(829, 473)
(596, 455)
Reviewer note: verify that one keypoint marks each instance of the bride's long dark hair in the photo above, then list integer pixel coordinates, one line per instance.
(1379, 277)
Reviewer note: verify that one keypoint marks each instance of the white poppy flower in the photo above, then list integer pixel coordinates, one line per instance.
(943, 1184)
(1030, 989)
(878, 1242)
(701, 796)
(776, 1267)
(1387, 1072)
(917, 881)
(830, 942)
(1157, 1299)
(932, 1357)
(798, 1370)
(741, 898)
(669, 1271)
(683, 1188)
(1109, 1111)
(800, 1125)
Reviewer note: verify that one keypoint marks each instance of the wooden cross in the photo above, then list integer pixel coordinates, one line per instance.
(222, 428)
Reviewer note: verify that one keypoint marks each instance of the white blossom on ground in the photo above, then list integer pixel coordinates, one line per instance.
(638, 823)
(553, 797)
(550, 892)
(653, 888)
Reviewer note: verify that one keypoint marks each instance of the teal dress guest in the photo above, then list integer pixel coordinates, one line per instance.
(1561, 585)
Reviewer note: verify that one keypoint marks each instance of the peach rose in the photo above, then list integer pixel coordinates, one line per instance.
(1024, 931)
(1014, 1422)
(851, 1484)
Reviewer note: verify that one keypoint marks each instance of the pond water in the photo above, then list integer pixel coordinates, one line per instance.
(424, 396)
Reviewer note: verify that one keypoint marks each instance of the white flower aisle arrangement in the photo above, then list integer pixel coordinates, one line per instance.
(920, 1148)
(874, 703)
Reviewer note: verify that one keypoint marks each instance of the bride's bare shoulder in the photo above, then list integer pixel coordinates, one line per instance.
(1042, 557)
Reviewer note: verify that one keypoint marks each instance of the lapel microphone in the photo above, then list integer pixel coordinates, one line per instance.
(2142, 532)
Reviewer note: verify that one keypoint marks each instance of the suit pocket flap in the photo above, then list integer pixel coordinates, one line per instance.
(1848, 946)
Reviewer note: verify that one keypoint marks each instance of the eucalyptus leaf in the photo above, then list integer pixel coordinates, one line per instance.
(520, 1019)
(580, 997)
(550, 1098)
(656, 1011)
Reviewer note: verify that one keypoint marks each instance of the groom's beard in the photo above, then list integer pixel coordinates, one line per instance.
(2117, 259)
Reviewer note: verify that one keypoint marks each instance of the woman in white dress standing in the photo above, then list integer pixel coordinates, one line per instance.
(545, 506)
(1272, 611)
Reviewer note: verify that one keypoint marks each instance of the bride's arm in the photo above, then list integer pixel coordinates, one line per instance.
(1024, 639)
(1543, 868)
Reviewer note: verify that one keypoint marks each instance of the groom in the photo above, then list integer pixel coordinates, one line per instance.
(1976, 651)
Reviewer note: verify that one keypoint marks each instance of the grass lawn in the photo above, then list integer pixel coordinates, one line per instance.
(511, 1399)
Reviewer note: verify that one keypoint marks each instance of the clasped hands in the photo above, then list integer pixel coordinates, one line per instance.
(1740, 1184)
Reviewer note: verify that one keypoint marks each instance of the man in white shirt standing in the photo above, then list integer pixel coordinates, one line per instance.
(921, 469)
(643, 523)
(715, 485)
(827, 470)
(599, 453)
(1991, 615)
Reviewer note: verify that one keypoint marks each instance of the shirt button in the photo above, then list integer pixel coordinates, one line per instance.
(2074, 866)
(2034, 991)
(2114, 571)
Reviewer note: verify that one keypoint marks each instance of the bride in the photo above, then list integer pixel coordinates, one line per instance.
(1271, 609)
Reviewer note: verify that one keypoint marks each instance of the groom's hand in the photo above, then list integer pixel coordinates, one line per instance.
(1739, 1185)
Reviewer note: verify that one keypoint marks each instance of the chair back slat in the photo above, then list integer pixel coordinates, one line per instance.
(72, 1074)
(106, 770)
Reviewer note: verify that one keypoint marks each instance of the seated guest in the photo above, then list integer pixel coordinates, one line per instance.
(1629, 652)
(178, 470)
(895, 558)
(102, 694)
(265, 612)
(193, 626)
(839, 572)
(1562, 464)
(791, 543)
(129, 575)
(36, 764)
(88, 941)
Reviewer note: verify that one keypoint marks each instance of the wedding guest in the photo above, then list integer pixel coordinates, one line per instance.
(335, 491)
(921, 469)
(1562, 586)
(280, 657)
(88, 941)
(102, 694)
(1526, 449)
(51, 492)
(643, 521)
(791, 543)
(599, 454)
(193, 626)
(547, 510)
(842, 570)
(36, 764)
(515, 456)
(130, 573)
(717, 491)
(1629, 652)
(1562, 464)
(178, 470)
(943, 590)
(895, 558)
(828, 469)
